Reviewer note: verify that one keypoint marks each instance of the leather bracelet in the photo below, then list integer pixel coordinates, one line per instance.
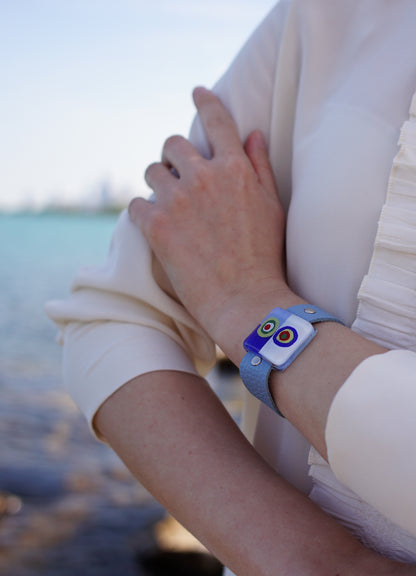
(275, 344)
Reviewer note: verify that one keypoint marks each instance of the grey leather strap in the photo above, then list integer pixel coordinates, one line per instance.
(312, 314)
(255, 372)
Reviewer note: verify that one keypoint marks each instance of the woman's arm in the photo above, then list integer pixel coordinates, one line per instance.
(228, 210)
(176, 437)
(230, 206)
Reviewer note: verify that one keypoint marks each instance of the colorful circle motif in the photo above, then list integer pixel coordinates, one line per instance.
(268, 328)
(286, 336)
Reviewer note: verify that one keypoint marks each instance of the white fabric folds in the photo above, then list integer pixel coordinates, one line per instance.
(367, 524)
(372, 417)
(387, 309)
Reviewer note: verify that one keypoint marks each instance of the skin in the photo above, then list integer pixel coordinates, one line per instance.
(177, 439)
(170, 428)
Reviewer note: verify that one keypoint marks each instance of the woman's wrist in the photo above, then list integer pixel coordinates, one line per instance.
(238, 316)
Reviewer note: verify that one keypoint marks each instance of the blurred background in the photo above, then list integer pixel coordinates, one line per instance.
(89, 90)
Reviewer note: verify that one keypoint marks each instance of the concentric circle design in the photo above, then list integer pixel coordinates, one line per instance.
(286, 336)
(268, 327)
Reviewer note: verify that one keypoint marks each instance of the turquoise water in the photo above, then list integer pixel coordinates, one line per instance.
(39, 255)
(67, 504)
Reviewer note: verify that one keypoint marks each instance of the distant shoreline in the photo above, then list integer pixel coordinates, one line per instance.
(70, 211)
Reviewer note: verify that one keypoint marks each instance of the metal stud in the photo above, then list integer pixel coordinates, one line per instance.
(255, 361)
(309, 311)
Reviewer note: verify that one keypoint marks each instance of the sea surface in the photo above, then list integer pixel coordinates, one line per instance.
(39, 255)
(68, 506)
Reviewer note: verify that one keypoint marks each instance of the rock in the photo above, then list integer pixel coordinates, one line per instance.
(9, 504)
(164, 563)
(28, 482)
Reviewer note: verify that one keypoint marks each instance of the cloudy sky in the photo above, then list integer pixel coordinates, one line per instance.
(89, 89)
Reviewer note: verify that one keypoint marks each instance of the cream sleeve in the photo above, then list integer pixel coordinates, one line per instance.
(371, 431)
(118, 323)
(371, 426)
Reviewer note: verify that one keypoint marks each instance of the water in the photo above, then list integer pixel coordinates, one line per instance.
(68, 506)
(38, 258)
(64, 493)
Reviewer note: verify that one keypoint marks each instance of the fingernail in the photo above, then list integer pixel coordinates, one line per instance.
(259, 139)
(199, 90)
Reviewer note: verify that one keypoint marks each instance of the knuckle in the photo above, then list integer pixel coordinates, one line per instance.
(235, 164)
(157, 227)
(173, 141)
(199, 174)
(214, 114)
(180, 201)
(150, 172)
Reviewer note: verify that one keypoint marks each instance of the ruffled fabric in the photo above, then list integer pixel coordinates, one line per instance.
(371, 527)
(386, 315)
(387, 297)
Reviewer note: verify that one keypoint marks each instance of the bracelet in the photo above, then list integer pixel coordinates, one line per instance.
(275, 344)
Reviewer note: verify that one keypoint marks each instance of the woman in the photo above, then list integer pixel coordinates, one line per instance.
(329, 85)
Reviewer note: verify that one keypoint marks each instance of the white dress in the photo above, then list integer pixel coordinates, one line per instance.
(329, 82)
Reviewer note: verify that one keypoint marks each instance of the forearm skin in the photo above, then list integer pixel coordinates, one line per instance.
(178, 440)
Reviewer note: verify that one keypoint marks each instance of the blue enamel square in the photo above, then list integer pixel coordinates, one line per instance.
(280, 337)
(266, 330)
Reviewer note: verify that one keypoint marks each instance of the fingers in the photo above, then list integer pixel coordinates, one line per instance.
(160, 179)
(219, 126)
(178, 153)
(256, 150)
(152, 221)
(139, 211)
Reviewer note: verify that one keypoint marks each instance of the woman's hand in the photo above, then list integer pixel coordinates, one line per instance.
(217, 226)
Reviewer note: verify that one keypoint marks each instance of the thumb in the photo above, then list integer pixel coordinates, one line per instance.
(256, 150)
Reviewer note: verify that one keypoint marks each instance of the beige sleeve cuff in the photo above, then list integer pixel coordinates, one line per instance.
(101, 357)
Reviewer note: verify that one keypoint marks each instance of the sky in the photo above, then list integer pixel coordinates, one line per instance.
(90, 89)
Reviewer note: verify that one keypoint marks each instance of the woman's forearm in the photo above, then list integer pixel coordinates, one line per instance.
(305, 390)
(178, 440)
